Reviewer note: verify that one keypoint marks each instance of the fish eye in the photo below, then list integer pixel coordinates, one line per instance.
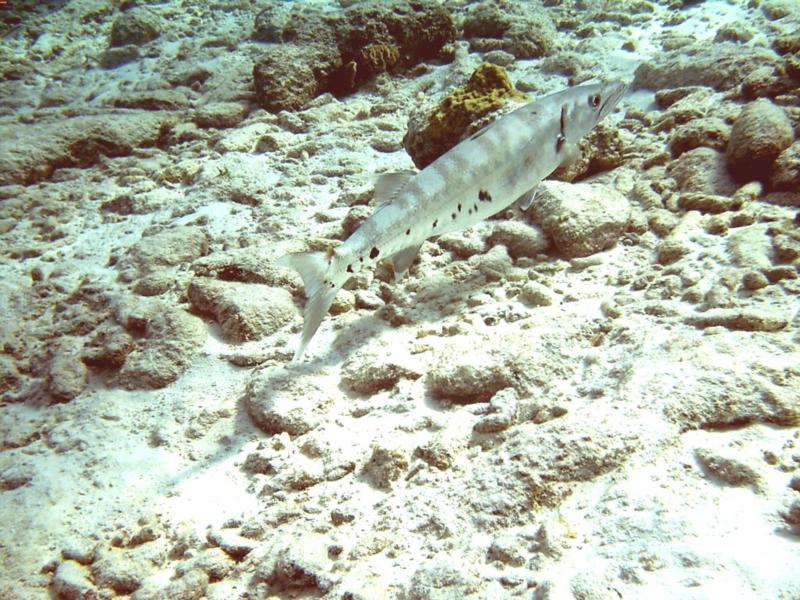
(594, 100)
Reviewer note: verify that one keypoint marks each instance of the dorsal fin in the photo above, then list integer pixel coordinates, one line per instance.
(388, 185)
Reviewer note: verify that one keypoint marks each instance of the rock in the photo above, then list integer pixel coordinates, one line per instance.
(232, 543)
(786, 248)
(590, 585)
(338, 54)
(507, 549)
(378, 36)
(279, 23)
(278, 401)
(244, 311)
(703, 170)
(137, 26)
(740, 319)
(786, 44)
(759, 134)
(750, 247)
(671, 250)
(721, 66)
(708, 203)
(220, 115)
(155, 283)
(297, 569)
(602, 149)
(754, 280)
(214, 562)
(15, 476)
(354, 218)
(737, 31)
(251, 264)
(511, 28)
(68, 376)
(71, 582)
(486, 20)
(288, 77)
(172, 338)
(766, 82)
(192, 584)
(374, 369)
(574, 65)
(709, 132)
(167, 248)
(153, 100)
(786, 169)
(444, 578)
(367, 299)
(669, 96)
(520, 239)
(727, 470)
(439, 452)
(344, 302)
(385, 466)
(470, 378)
(662, 222)
(581, 219)
(778, 9)
(494, 265)
(463, 244)
(792, 515)
(566, 453)
(108, 347)
(119, 571)
(536, 294)
(502, 412)
(116, 57)
(459, 114)
(714, 396)
(31, 153)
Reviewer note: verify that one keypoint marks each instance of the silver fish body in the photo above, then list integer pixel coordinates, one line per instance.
(477, 178)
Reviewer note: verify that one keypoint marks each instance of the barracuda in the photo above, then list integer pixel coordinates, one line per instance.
(482, 175)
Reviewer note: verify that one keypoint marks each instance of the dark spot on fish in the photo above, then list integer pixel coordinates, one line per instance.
(333, 285)
(469, 211)
(435, 223)
(374, 252)
(484, 196)
(459, 208)
(361, 259)
(349, 268)
(408, 232)
(560, 142)
(453, 215)
(475, 207)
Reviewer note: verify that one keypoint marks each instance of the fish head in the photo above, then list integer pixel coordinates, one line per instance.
(584, 106)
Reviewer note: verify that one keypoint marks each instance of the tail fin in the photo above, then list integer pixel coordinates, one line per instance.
(313, 268)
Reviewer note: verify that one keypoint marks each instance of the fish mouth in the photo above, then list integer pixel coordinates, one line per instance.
(614, 91)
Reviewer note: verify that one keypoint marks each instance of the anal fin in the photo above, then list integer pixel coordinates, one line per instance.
(401, 261)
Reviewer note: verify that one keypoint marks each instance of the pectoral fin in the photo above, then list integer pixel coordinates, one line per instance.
(570, 153)
(402, 260)
(526, 199)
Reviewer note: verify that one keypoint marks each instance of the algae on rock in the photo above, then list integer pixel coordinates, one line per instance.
(460, 113)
